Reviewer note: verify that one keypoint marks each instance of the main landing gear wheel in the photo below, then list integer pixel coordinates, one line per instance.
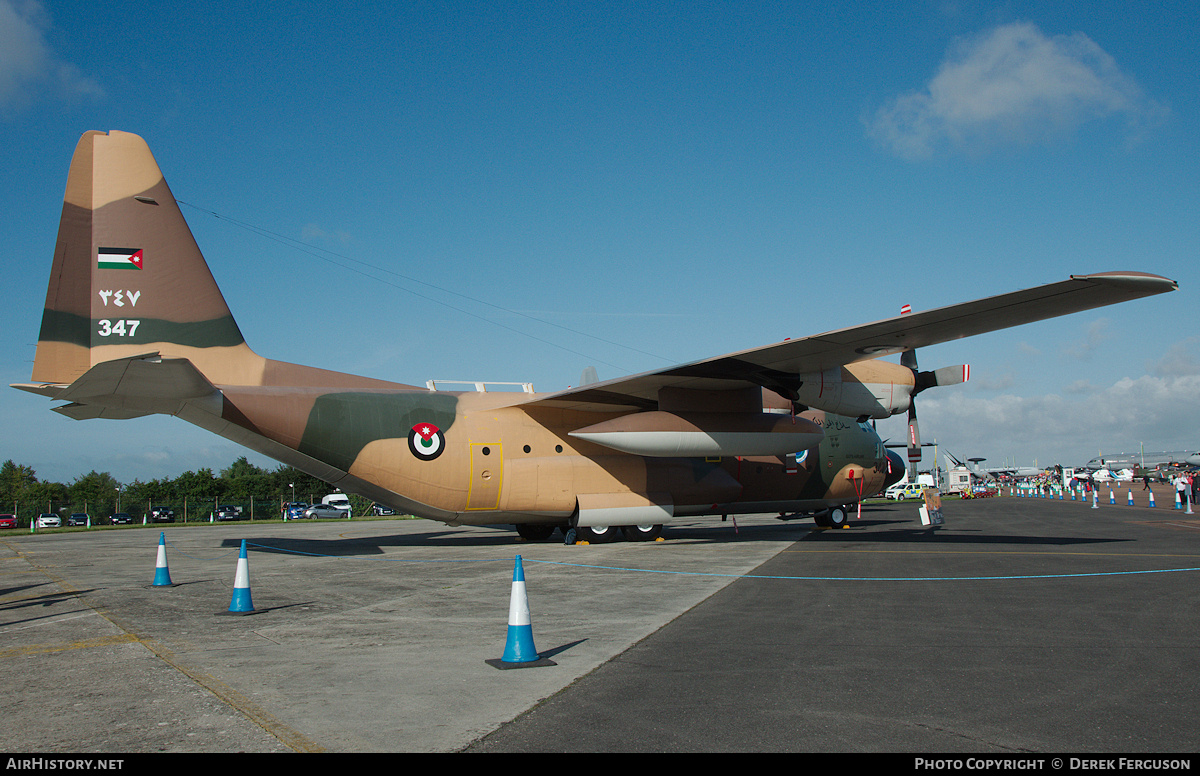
(641, 533)
(834, 517)
(596, 534)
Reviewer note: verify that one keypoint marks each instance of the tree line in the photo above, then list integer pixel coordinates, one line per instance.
(99, 493)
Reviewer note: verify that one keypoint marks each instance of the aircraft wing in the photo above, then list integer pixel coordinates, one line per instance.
(777, 367)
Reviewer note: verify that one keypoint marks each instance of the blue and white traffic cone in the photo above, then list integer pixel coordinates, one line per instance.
(241, 603)
(1151, 498)
(1178, 501)
(519, 648)
(1131, 497)
(1111, 498)
(519, 652)
(162, 575)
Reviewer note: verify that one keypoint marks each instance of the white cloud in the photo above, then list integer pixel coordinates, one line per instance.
(1180, 360)
(27, 65)
(1010, 85)
(1160, 411)
(1097, 335)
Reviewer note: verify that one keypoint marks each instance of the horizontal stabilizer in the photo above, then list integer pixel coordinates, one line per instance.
(129, 388)
(49, 390)
(93, 411)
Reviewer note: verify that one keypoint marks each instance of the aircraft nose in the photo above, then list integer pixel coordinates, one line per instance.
(896, 468)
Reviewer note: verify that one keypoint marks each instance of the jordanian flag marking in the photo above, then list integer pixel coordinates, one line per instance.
(119, 258)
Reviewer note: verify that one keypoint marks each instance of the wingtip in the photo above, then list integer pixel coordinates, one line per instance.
(1155, 284)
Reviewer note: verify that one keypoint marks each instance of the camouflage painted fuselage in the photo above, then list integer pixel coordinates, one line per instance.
(499, 461)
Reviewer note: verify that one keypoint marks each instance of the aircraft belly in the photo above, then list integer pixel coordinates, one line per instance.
(552, 485)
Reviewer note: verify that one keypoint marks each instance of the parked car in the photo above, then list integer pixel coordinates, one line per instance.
(381, 510)
(162, 515)
(48, 520)
(120, 518)
(8, 521)
(294, 510)
(78, 518)
(339, 500)
(324, 512)
(906, 491)
(229, 513)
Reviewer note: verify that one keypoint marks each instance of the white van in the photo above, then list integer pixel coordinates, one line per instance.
(338, 501)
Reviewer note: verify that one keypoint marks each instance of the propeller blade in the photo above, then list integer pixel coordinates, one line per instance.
(947, 375)
(914, 435)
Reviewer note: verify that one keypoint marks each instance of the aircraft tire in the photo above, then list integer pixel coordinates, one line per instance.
(535, 532)
(838, 517)
(599, 534)
(822, 519)
(642, 533)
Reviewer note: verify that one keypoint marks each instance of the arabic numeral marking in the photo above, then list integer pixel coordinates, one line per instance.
(122, 327)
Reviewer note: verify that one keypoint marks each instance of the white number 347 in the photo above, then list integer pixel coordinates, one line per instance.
(122, 327)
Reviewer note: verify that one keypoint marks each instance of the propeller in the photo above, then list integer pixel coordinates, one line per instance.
(909, 359)
(947, 375)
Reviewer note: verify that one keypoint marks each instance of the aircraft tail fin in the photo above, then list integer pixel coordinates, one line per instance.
(128, 278)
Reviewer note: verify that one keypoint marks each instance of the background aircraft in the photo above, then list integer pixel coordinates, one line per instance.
(134, 324)
(1133, 465)
(997, 471)
(1146, 460)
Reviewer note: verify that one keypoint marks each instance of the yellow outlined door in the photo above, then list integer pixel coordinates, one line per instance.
(487, 474)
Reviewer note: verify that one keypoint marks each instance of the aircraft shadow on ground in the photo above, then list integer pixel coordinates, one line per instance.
(49, 599)
(376, 545)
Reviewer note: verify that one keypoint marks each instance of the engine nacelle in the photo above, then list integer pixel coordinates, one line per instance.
(875, 389)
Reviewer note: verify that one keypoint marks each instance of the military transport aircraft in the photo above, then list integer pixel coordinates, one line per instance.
(1145, 462)
(134, 324)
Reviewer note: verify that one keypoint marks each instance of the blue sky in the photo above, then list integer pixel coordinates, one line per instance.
(514, 192)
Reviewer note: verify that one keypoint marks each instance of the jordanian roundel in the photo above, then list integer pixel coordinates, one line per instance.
(426, 441)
